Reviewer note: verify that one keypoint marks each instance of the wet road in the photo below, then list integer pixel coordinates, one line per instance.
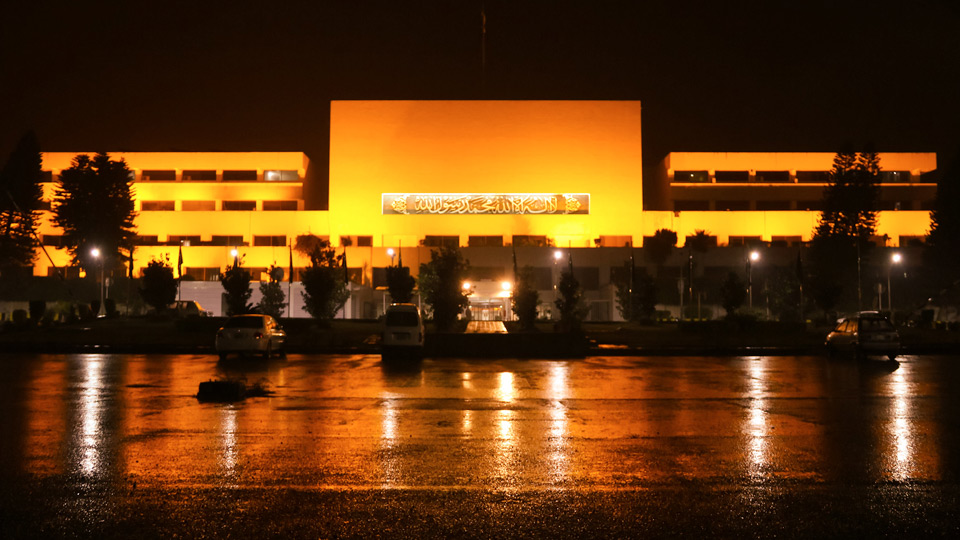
(117, 445)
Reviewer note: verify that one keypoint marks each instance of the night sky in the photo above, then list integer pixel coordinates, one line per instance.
(712, 76)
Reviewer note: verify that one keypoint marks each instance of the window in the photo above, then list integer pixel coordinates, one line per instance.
(681, 206)
(744, 240)
(905, 240)
(785, 241)
(281, 176)
(168, 176)
(485, 241)
(245, 206)
(894, 177)
(732, 176)
(710, 240)
(201, 274)
(773, 176)
(198, 206)
(491, 273)
(773, 205)
(239, 176)
(220, 240)
(439, 241)
(279, 205)
(68, 272)
(588, 276)
(200, 176)
(45, 205)
(186, 240)
(615, 241)
(698, 177)
(379, 277)
(813, 177)
(46, 176)
(269, 240)
(530, 240)
(733, 205)
(542, 278)
(364, 241)
(148, 240)
(53, 240)
(156, 206)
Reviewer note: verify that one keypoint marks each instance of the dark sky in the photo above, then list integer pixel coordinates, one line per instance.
(712, 76)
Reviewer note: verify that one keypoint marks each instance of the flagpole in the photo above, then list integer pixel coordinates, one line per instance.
(290, 286)
(179, 271)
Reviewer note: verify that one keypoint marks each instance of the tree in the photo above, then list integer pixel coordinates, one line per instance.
(639, 302)
(272, 301)
(20, 198)
(236, 283)
(94, 206)
(441, 285)
(847, 221)
(701, 241)
(400, 283)
(658, 247)
(784, 294)
(158, 287)
(733, 291)
(324, 283)
(570, 304)
(525, 298)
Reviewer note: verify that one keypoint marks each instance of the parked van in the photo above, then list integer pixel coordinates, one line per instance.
(402, 331)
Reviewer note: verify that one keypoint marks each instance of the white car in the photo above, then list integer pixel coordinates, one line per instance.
(257, 334)
(403, 332)
(868, 333)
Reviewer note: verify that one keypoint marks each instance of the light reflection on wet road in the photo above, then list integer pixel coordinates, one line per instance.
(347, 422)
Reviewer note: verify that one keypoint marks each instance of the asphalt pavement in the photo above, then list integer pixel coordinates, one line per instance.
(344, 446)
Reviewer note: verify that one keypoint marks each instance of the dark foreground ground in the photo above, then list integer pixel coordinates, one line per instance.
(48, 509)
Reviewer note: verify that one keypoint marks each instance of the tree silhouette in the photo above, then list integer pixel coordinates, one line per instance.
(441, 285)
(659, 247)
(324, 287)
(158, 287)
(20, 199)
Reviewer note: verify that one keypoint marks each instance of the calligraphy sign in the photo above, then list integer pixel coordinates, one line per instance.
(485, 203)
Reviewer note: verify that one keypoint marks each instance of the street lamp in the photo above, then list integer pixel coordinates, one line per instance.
(95, 253)
(894, 259)
(754, 257)
(391, 253)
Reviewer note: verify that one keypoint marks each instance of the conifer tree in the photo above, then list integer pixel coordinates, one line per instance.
(20, 199)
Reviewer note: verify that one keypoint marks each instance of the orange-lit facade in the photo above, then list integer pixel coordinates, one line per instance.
(492, 177)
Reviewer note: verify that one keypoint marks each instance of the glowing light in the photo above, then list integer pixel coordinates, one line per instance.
(506, 285)
(391, 252)
(234, 252)
(95, 253)
(754, 256)
(896, 258)
(467, 285)
(557, 255)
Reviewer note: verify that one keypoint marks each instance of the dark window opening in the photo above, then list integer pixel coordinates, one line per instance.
(773, 176)
(201, 274)
(894, 177)
(200, 176)
(168, 176)
(485, 241)
(53, 240)
(269, 240)
(281, 176)
(157, 206)
(46, 176)
(530, 240)
(223, 240)
(239, 176)
(186, 240)
(732, 176)
(441, 241)
(697, 177)
(239, 205)
(364, 241)
(813, 177)
(279, 205)
(146, 240)
(198, 206)
(744, 241)
(785, 241)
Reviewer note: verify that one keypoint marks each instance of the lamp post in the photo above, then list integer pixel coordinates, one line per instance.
(754, 256)
(557, 255)
(391, 253)
(894, 259)
(95, 253)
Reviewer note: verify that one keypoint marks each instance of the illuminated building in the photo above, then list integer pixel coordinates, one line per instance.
(493, 177)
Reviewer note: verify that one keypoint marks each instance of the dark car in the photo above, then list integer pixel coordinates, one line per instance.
(867, 333)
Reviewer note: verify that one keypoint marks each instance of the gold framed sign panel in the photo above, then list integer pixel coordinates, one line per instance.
(485, 203)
